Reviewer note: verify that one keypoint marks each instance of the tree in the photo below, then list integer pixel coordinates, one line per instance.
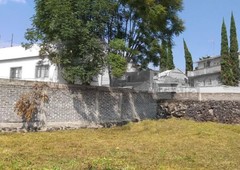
(230, 73)
(75, 33)
(234, 53)
(164, 57)
(188, 58)
(144, 26)
(71, 34)
(117, 63)
(226, 69)
(170, 63)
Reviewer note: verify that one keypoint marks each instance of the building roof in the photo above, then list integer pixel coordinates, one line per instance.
(174, 76)
(208, 58)
(17, 52)
(168, 72)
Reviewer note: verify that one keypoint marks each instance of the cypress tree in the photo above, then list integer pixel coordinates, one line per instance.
(163, 57)
(234, 52)
(188, 58)
(226, 72)
(170, 63)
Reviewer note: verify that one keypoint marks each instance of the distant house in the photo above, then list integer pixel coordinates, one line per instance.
(206, 73)
(19, 63)
(150, 80)
(174, 76)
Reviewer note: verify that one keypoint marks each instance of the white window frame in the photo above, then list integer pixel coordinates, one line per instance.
(15, 72)
(42, 71)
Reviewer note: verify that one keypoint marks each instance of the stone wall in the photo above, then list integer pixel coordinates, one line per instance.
(79, 106)
(214, 111)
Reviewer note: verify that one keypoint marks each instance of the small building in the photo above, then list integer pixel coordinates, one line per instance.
(169, 80)
(175, 76)
(154, 81)
(206, 73)
(19, 63)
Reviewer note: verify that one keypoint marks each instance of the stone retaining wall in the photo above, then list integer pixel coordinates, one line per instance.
(214, 111)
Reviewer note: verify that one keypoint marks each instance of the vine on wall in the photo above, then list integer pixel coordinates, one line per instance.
(33, 102)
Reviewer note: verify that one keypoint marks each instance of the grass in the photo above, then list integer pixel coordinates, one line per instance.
(163, 144)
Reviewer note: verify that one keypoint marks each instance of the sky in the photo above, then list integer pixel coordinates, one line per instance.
(202, 18)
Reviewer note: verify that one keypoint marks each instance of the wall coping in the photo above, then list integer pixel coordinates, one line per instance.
(25, 83)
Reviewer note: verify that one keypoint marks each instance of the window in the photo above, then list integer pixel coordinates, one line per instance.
(42, 71)
(207, 64)
(209, 82)
(16, 72)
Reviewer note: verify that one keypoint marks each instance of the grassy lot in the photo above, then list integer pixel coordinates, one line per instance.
(164, 144)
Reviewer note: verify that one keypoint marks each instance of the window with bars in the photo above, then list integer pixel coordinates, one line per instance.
(16, 72)
(42, 71)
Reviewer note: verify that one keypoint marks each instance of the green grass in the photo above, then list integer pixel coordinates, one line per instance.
(163, 144)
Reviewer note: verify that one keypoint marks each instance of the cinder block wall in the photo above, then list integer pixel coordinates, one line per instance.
(79, 105)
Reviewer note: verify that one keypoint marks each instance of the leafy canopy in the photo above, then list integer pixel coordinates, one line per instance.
(76, 34)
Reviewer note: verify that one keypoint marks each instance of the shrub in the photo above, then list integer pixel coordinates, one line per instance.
(32, 103)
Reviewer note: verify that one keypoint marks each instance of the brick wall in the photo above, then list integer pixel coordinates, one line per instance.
(79, 105)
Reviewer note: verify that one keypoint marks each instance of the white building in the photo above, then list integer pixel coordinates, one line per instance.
(174, 76)
(18, 63)
(207, 72)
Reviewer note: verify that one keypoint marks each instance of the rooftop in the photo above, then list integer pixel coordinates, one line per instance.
(16, 52)
(203, 59)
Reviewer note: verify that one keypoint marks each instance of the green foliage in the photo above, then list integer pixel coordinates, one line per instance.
(234, 52)
(117, 62)
(170, 63)
(188, 58)
(164, 57)
(75, 33)
(225, 59)
(144, 26)
(230, 73)
(118, 65)
(70, 33)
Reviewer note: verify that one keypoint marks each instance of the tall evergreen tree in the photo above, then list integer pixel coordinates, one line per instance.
(234, 52)
(163, 57)
(226, 69)
(170, 63)
(188, 58)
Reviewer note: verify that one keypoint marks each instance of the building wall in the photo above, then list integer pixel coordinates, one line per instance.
(220, 93)
(139, 80)
(207, 73)
(28, 69)
(174, 76)
(212, 62)
(79, 105)
(206, 80)
(28, 60)
(103, 79)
